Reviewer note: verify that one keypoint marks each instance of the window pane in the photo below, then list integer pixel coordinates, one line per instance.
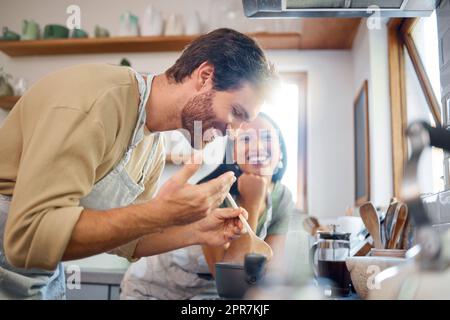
(417, 109)
(425, 36)
(284, 111)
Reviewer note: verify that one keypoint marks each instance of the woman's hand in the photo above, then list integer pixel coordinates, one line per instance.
(222, 225)
(253, 191)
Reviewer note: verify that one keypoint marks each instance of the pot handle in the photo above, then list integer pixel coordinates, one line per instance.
(255, 267)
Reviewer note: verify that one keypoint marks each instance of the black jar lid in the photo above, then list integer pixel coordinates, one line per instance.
(334, 236)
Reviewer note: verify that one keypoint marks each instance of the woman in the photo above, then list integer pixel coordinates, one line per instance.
(259, 161)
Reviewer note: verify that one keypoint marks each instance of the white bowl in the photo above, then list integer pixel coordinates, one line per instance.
(363, 271)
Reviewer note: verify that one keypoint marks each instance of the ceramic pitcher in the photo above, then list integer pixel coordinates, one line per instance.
(30, 30)
(128, 25)
(193, 24)
(152, 22)
(101, 32)
(174, 25)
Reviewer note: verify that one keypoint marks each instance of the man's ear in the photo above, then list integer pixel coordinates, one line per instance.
(205, 75)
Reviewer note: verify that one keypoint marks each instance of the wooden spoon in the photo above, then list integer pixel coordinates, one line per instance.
(311, 225)
(389, 220)
(258, 244)
(371, 220)
(399, 224)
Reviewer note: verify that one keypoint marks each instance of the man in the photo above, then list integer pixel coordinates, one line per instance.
(81, 155)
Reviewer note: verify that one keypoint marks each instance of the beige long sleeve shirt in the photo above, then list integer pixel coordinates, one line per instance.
(62, 136)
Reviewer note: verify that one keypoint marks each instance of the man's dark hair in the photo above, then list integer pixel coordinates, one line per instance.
(236, 58)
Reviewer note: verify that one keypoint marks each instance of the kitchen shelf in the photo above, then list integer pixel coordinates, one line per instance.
(130, 44)
(8, 102)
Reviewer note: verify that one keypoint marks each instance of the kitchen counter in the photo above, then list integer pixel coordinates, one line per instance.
(211, 294)
(95, 278)
(99, 276)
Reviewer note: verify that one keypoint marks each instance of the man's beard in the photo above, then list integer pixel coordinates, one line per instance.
(200, 109)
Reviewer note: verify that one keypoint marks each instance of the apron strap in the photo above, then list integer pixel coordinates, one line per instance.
(144, 92)
(149, 160)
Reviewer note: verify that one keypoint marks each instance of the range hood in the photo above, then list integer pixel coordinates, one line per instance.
(338, 8)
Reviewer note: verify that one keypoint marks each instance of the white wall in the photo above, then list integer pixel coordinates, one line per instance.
(330, 144)
(370, 62)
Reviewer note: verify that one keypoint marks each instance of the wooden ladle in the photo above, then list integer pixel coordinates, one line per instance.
(312, 226)
(399, 224)
(258, 244)
(371, 220)
(387, 226)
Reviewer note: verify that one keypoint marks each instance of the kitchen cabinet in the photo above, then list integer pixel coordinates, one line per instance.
(97, 285)
(94, 292)
(99, 277)
(114, 292)
(89, 292)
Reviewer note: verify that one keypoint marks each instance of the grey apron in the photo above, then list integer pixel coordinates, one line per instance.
(116, 189)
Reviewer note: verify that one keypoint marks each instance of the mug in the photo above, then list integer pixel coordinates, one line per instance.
(9, 35)
(55, 31)
(30, 30)
(79, 33)
(101, 32)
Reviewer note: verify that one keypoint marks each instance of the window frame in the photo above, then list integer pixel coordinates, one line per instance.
(401, 41)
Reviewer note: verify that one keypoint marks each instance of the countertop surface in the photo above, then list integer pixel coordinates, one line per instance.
(99, 275)
(212, 294)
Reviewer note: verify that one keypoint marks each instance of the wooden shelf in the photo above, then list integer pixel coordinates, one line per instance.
(8, 102)
(130, 44)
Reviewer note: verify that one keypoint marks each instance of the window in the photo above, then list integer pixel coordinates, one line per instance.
(415, 95)
(424, 35)
(417, 109)
(288, 110)
(285, 114)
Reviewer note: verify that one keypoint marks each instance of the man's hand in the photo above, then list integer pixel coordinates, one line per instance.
(185, 203)
(222, 225)
(161, 219)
